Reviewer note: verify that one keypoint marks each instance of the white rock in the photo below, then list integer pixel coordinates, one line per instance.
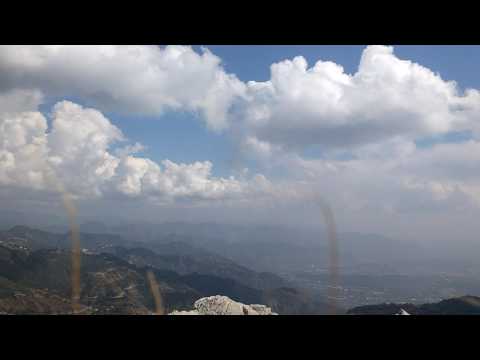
(262, 309)
(223, 305)
(191, 312)
(402, 312)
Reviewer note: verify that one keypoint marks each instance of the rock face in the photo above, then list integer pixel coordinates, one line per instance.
(223, 305)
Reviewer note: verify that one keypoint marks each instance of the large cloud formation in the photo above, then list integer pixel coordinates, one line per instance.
(364, 127)
(130, 79)
(76, 151)
(322, 105)
(76, 154)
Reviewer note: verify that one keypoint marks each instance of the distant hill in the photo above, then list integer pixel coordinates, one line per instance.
(465, 305)
(278, 249)
(186, 259)
(177, 256)
(35, 275)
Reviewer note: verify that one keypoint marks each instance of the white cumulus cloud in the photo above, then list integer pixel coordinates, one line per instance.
(363, 126)
(322, 105)
(76, 151)
(136, 79)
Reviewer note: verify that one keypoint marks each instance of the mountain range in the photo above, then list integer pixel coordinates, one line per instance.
(35, 276)
(464, 305)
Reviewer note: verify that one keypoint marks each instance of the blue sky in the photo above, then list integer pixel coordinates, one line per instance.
(252, 62)
(413, 140)
(180, 137)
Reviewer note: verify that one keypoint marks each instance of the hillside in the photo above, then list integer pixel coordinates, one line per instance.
(113, 278)
(170, 257)
(465, 305)
(177, 256)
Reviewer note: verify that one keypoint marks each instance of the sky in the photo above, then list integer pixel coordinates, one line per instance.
(387, 135)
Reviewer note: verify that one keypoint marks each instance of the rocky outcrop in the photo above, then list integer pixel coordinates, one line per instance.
(223, 305)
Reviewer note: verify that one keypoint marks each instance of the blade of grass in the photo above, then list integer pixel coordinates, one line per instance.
(155, 289)
(76, 251)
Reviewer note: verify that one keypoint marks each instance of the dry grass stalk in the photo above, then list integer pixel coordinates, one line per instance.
(159, 309)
